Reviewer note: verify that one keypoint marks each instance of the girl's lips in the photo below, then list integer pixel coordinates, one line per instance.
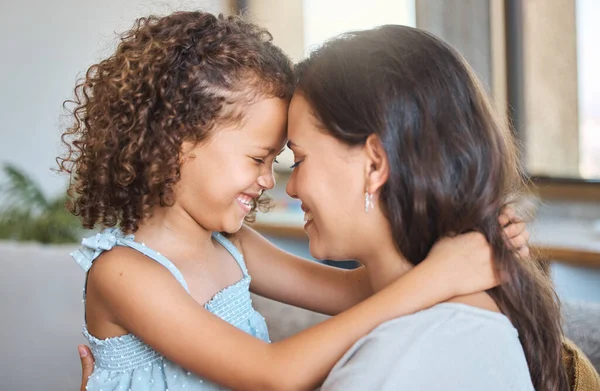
(245, 202)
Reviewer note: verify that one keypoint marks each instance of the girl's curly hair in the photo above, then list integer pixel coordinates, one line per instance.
(170, 80)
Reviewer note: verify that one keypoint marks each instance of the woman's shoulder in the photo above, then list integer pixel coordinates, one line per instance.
(446, 341)
(442, 334)
(446, 320)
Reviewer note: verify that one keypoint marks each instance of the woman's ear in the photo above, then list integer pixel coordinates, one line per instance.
(377, 167)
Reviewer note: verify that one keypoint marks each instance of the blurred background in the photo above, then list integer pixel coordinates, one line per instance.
(539, 59)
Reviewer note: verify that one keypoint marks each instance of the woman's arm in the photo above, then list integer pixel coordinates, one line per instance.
(87, 365)
(159, 311)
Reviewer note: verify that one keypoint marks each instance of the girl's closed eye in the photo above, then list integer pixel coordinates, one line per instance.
(296, 164)
(262, 160)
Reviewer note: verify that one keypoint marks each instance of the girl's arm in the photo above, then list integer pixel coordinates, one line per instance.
(284, 277)
(147, 301)
(287, 278)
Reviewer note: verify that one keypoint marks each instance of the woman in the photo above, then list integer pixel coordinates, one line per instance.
(394, 119)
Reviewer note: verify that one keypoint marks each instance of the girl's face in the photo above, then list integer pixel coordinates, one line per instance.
(329, 179)
(221, 177)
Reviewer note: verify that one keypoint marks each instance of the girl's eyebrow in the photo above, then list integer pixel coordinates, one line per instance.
(272, 151)
(268, 149)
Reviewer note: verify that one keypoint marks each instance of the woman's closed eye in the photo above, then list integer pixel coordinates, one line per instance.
(296, 164)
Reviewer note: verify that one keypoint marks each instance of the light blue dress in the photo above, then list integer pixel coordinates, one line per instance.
(126, 363)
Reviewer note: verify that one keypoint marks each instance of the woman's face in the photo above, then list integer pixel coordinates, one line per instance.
(329, 180)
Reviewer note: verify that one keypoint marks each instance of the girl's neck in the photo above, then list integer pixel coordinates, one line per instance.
(173, 228)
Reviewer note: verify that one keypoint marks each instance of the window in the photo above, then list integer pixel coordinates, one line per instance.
(588, 70)
(537, 58)
(553, 80)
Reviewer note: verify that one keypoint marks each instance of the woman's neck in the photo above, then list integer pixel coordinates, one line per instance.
(384, 263)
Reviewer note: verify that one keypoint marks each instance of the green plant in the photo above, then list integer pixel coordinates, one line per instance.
(26, 214)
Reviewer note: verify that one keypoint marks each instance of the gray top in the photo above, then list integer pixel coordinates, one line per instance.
(449, 346)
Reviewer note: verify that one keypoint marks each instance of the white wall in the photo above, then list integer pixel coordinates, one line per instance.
(283, 19)
(299, 26)
(326, 19)
(44, 46)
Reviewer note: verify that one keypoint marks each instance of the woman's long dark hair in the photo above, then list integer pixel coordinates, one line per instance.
(453, 162)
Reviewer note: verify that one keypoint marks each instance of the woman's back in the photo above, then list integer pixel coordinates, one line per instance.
(448, 346)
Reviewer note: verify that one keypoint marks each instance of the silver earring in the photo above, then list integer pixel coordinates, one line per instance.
(368, 201)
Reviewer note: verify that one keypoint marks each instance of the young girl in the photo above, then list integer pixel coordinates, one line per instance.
(174, 141)
(421, 144)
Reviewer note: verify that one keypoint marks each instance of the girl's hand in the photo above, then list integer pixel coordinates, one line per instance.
(515, 231)
(465, 261)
